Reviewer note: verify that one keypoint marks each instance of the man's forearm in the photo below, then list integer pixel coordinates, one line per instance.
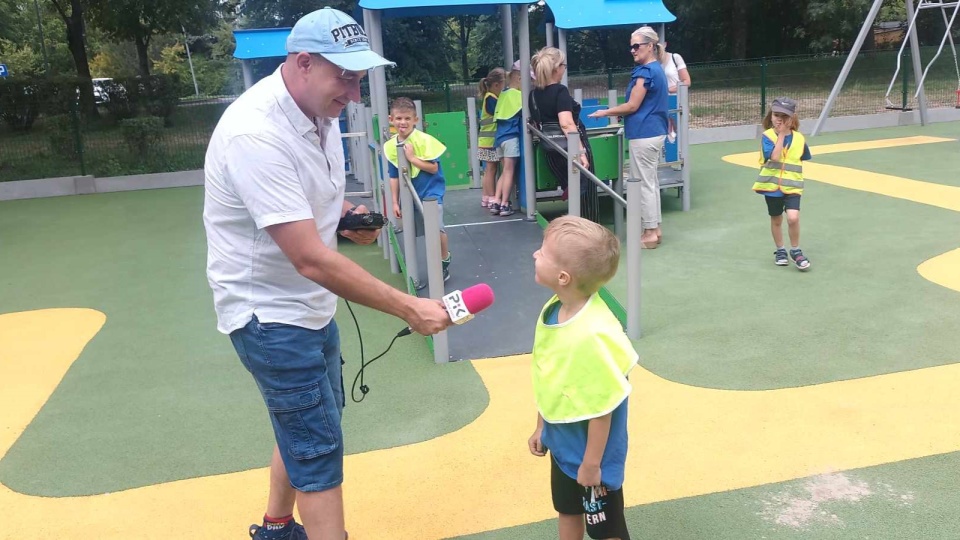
(350, 281)
(598, 430)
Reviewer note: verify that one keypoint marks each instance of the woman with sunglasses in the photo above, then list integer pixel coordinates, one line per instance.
(645, 126)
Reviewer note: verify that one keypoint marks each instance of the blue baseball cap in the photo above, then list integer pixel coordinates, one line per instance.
(337, 37)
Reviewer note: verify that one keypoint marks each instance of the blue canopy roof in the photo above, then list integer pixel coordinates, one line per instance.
(261, 43)
(582, 14)
(392, 9)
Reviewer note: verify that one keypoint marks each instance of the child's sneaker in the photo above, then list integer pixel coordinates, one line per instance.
(292, 531)
(494, 208)
(506, 210)
(780, 257)
(446, 266)
(484, 202)
(799, 259)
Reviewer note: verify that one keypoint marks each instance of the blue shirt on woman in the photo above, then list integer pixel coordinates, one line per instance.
(650, 120)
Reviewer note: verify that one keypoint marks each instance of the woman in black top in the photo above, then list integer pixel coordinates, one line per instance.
(551, 101)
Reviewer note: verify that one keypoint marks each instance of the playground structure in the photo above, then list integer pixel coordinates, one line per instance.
(913, 11)
(409, 244)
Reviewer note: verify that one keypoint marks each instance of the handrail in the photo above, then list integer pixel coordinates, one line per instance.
(600, 183)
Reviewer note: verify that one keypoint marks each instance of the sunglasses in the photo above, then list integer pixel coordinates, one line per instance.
(636, 46)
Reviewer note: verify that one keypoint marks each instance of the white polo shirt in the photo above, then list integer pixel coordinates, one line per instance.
(268, 163)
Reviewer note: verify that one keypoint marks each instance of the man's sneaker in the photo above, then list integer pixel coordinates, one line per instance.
(295, 531)
(506, 210)
(780, 257)
(494, 208)
(799, 259)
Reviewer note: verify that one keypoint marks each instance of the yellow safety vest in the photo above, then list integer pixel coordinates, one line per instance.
(488, 124)
(509, 104)
(786, 174)
(425, 147)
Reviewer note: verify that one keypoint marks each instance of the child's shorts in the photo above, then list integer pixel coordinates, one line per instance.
(510, 148)
(604, 515)
(776, 205)
(488, 154)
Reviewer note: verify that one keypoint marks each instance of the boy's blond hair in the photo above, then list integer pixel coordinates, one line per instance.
(403, 104)
(589, 252)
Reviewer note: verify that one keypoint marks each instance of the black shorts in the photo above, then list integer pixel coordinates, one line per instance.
(604, 515)
(776, 205)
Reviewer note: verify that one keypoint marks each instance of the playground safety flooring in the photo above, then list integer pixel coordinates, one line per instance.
(769, 403)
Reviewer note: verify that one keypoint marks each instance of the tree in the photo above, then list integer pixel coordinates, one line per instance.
(76, 41)
(140, 20)
(460, 28)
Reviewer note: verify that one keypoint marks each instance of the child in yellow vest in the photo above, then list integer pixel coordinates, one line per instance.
(508, 116)
(783, 150)
(423, 152)
(581, 358)
(489, 93)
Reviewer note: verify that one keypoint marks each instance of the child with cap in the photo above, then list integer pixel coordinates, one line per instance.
(783, 149)
(581, 359)
(423, 153)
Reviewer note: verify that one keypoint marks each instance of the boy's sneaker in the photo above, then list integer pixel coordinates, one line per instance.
(293, 531)
(506, 210)
(799, 259)
(446, 266)
(780, 257)
(494, 208)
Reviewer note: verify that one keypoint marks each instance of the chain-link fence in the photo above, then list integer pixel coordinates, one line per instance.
(56, 138)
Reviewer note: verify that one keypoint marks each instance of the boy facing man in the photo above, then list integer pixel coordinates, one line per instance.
(581, 358)
(423, 153)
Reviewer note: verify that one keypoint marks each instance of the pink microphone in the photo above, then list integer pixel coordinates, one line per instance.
(463, 305)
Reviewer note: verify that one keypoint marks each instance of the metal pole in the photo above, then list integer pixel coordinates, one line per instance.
(562, 45)
(372, 157)
(408, 209)
(851, 58)
(618, 224)
(573, 174)
(378, 96)
(612, 102)
(634, 232)
(529, 182)
(474, 140)
(683, 94)
(186, 45)
(431, 225)
(43, 44)
(418, 105)
(915, 57)
(550, 28)
(247, 74)
(578, 97)
(506, 22)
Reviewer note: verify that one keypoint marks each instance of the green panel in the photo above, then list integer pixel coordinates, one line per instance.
(620, 100)
(604, 154)
(449, 128)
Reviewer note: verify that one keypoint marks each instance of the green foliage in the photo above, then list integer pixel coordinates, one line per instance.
(142, 134)
(156, 95)
(60, 134)
(19, 103)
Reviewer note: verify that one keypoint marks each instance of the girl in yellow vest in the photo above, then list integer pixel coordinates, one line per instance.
(783, 150)
(507, 141)
(490, 88)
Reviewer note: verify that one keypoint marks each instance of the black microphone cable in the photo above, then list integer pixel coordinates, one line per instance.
(364, 389)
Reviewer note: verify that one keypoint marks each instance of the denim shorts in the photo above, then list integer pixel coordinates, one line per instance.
(510, 148)
(298, 372)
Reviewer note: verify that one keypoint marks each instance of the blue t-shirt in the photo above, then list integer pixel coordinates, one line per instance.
(568, 442)
(426, 184)
(490, 105)
(650, 120)
(768, 150)
(508, 129)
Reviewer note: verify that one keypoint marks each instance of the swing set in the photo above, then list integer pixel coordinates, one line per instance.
(912, 13)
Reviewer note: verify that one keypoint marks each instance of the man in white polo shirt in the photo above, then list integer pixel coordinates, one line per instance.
(274, 196)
